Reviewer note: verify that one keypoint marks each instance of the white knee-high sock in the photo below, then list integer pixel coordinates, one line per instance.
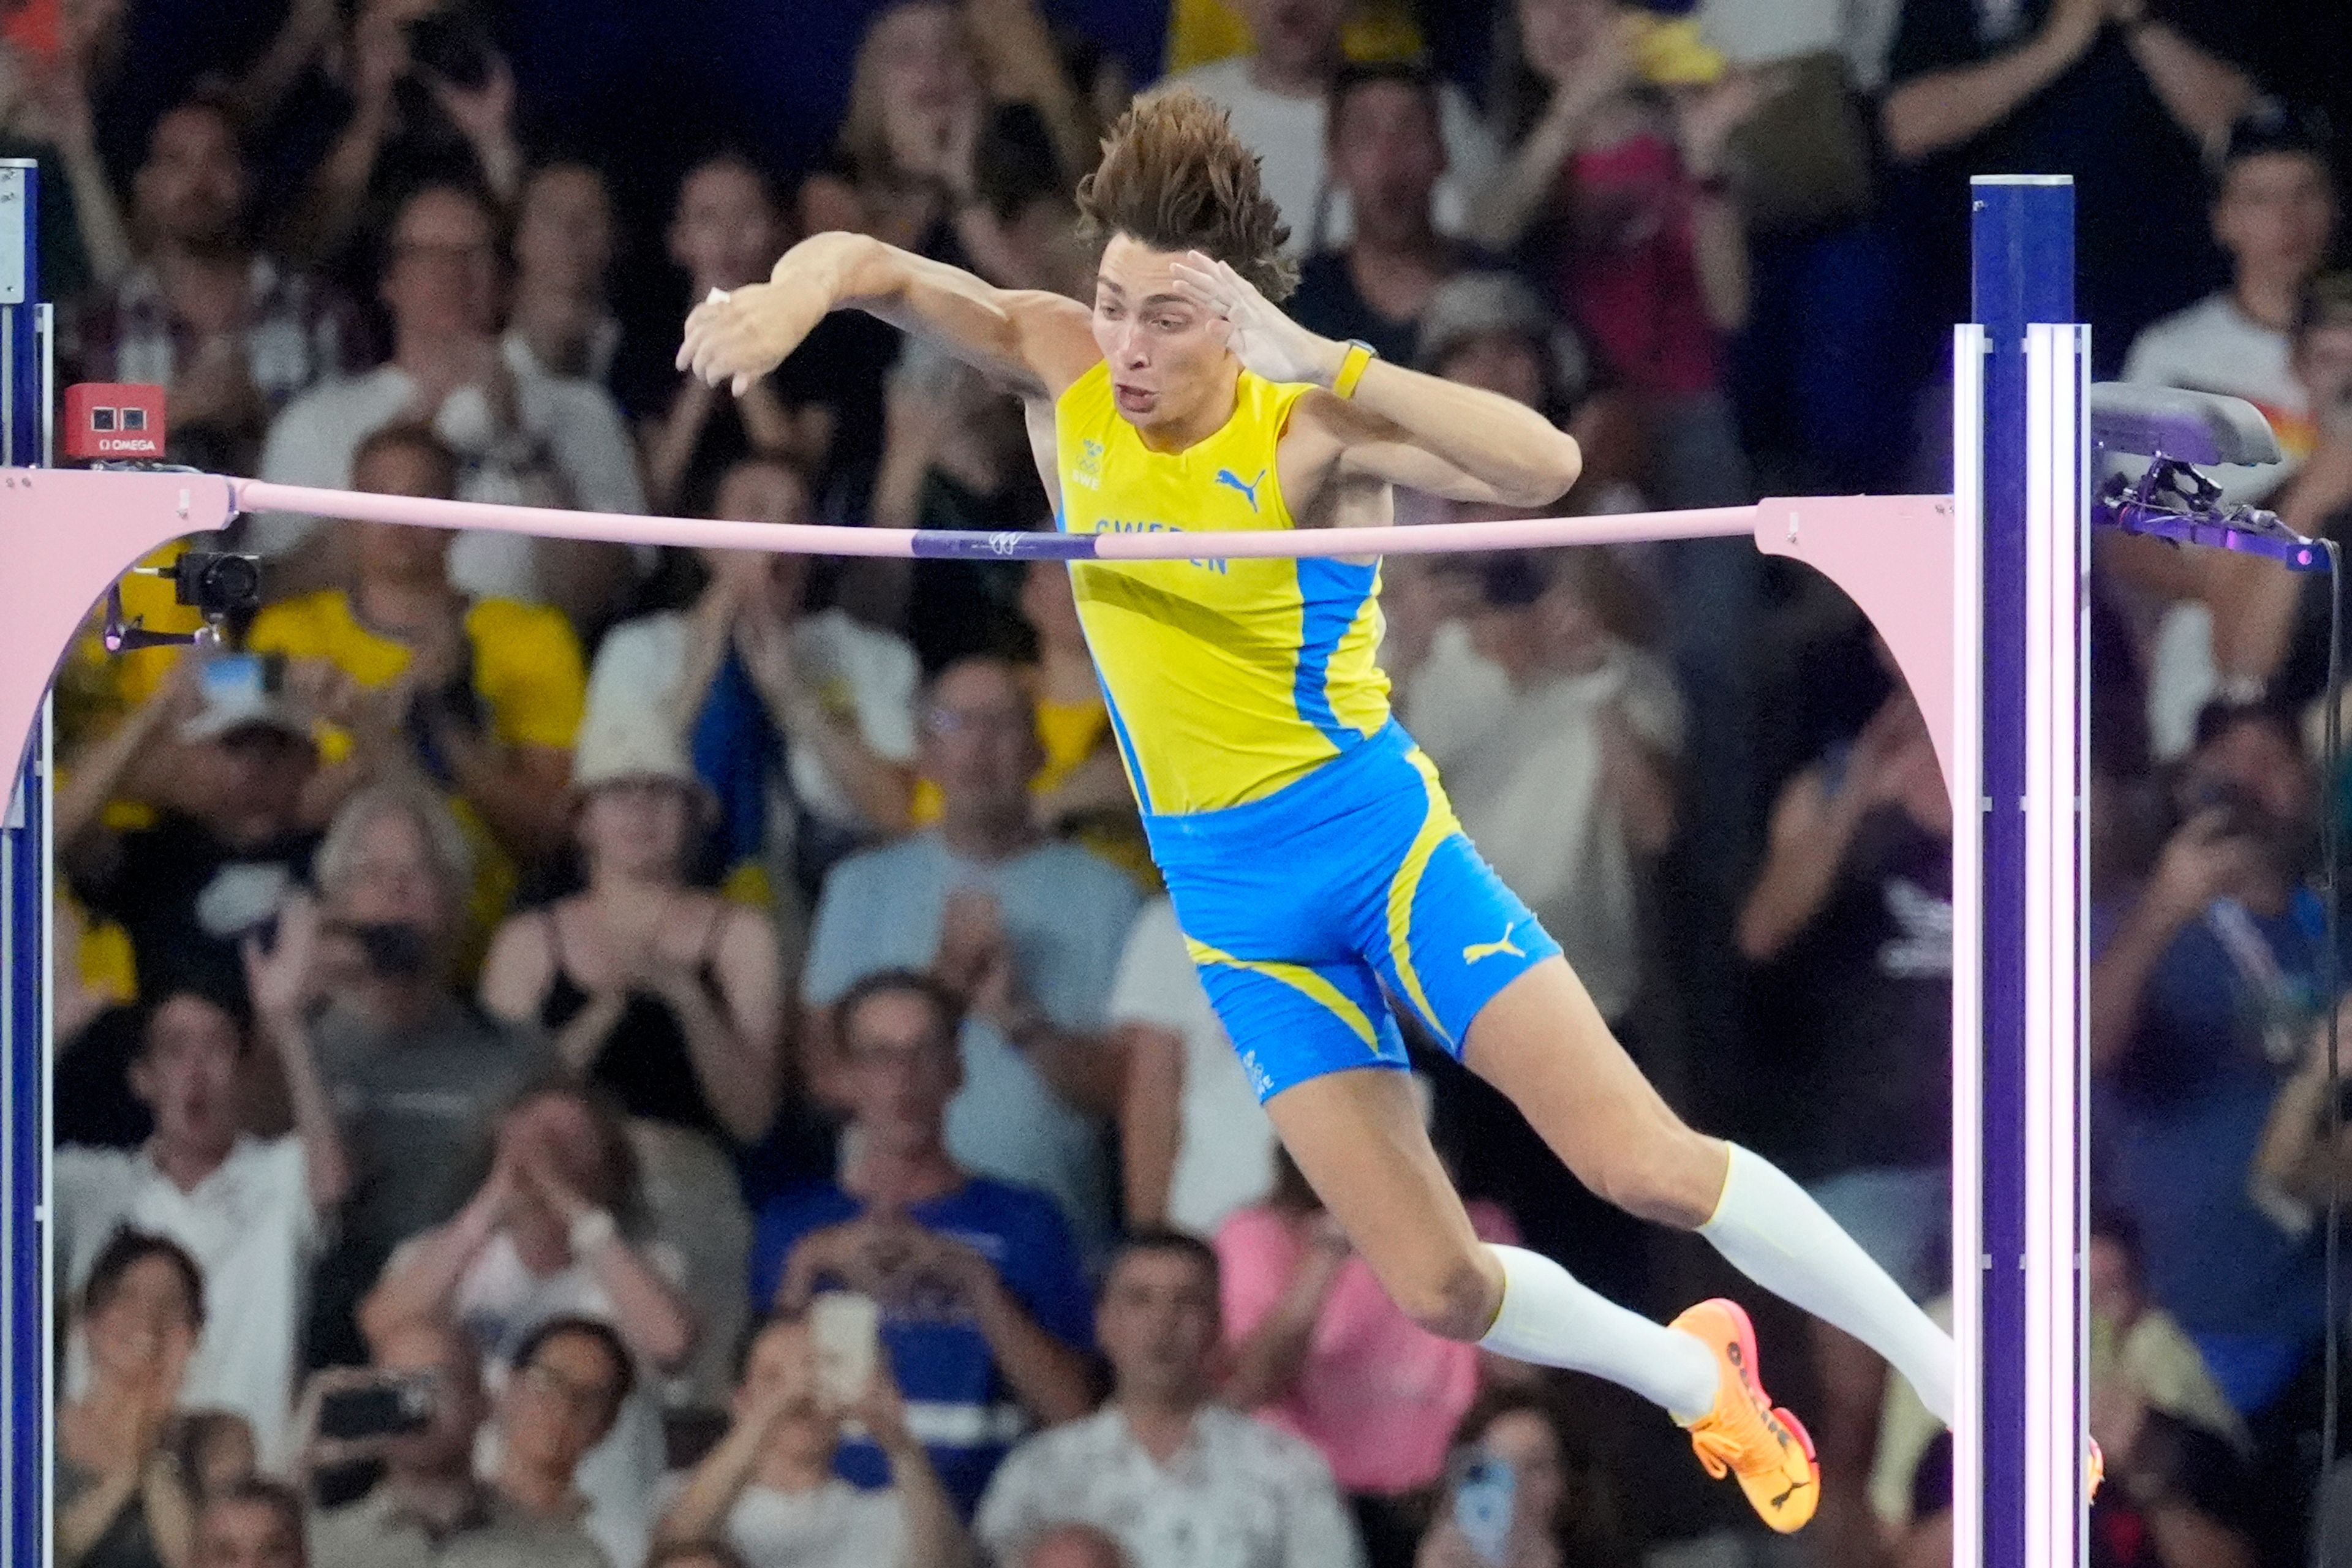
(1547, 1318)
(1779, 1237)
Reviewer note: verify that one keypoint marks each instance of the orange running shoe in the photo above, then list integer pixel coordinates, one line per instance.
(2098, 1472)
(1746, 1435)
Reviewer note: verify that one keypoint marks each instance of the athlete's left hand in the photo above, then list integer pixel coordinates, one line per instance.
(1267, 343)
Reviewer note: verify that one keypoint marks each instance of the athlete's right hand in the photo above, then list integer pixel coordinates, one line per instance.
(737, 338)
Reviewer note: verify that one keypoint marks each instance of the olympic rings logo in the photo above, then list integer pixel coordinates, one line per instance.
(1004, 544)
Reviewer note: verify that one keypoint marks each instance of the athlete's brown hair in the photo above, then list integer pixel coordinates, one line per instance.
(1175, 178)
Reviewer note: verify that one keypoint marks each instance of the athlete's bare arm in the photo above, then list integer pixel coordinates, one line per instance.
(1400, 427)
(1034, 344)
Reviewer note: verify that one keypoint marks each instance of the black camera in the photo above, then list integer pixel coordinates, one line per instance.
(217, 583)
(385, 1408)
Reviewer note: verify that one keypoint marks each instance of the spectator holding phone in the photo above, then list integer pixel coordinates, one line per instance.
(1853, 904)
(1557, 1511)
(1177, 1477)
(526, 436)
(252, 1211)
(185, 823)
(417, 1076)
(428, 1509)
(121, 1503)
(481, 696)
(769, 1490)
(2204, 990)
(982, 1298)
(543, 1240)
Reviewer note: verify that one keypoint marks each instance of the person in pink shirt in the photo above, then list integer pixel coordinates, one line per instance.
(1316, 1348)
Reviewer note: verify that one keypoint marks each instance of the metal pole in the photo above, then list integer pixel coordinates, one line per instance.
(2028, 1154)
(24, 348)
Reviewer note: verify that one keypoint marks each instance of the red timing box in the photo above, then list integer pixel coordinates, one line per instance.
(106, 419)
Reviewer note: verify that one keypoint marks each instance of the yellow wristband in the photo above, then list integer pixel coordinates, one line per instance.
(1351, 369)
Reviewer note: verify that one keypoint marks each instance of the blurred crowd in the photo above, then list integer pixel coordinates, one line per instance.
(628, 1058)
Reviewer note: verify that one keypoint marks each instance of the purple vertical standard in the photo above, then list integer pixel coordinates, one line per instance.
(2023, 244)
(24, 919)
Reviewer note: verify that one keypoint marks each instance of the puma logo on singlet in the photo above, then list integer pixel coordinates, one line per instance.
(1227, 476)
(1478, 950)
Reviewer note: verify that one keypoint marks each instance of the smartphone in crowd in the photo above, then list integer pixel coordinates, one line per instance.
(385, 1408)
(847, 1329)
(1484, 1494)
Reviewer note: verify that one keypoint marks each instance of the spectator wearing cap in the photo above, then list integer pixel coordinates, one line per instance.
(1176, 1477)
(419, 678)
(229, 330)
(186, 823)
(799, 721)
(1387, 154)
(665, 995)
(252, 1211)
(525, 436)
(2273, 212)
(1023, 930)
(1489, 329)
(1279, 98)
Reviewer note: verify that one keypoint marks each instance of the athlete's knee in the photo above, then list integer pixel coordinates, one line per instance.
(1454, 1299)
(1671, 1175)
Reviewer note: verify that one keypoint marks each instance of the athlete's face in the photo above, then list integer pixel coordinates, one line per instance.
(1166, 355)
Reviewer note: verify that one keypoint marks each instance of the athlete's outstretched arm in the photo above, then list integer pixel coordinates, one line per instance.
(1401, 426)
(1035, 343)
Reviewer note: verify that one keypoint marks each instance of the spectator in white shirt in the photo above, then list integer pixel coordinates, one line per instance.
(801, 722)
(1180, 1481)
(770, 1492)
(542, 1242)
(1568, 786)
(525, 436)
(1195, 1143)
(2275, 212)
(250, 1211)
(1278, 99)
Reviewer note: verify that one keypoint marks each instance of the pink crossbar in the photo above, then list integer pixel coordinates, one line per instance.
(70, 532)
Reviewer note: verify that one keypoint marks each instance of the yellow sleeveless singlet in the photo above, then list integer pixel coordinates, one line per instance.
(1226, 679)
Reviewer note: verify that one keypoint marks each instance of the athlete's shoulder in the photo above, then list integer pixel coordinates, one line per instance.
(1058, 336)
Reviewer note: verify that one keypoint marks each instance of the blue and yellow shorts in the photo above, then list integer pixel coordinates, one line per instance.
(1308, 909)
